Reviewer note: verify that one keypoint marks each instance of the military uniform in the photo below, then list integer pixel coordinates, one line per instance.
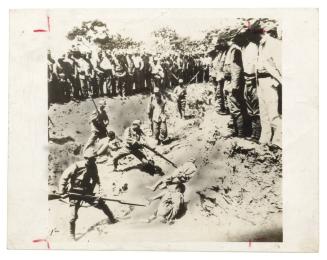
(98, 124)
(138, 73)
(147, 72)
(157, 116)
(157, 76)
(83, 75)
(206, 62)
(81, 178)
(170, 205)
(129, 75)
(235, 88)
(250, 59)
(180, 93)
(64, 84)
(132, 145)
(106, 77)
(269, 85)
(120, 75)
(217, 75)
(182, 174)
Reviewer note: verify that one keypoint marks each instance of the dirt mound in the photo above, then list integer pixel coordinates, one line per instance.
(250, 189)
(237, 191)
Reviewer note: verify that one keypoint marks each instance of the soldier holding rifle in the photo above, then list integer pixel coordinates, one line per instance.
(98, 121)
(80, 179)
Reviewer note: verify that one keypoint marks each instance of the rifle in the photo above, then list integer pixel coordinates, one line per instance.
(96, 108)
(159, 154)
(189, 81)
(193, 78)
(54, 196)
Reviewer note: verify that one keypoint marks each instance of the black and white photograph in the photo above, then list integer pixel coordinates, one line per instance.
(163, 129)
(165, 125)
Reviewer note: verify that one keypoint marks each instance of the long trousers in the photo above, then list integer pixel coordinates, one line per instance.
(181, 105)
(237, 108)
(75, 204)
(270, 117)
(219, 95)
(160, 130)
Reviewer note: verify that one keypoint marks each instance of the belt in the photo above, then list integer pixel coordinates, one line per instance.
(249, 77)
(264, 75)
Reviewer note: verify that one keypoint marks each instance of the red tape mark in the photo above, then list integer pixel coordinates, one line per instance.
(259, 239)
(43, 30)
(42, 240)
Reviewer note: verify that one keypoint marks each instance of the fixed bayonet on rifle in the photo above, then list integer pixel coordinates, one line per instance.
(96, 108)
(159, 154)
(189, 81)
(98, 112)
(193, 78)
(54, 196)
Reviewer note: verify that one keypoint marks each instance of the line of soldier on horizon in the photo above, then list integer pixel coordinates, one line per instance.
(78, 75)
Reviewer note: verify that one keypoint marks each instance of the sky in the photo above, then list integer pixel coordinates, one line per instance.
(139, 23)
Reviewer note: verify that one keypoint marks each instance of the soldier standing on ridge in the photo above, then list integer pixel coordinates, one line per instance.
(99, 121)
(180, 94)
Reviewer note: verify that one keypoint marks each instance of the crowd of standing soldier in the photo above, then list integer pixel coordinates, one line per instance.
(246, 73)
(81, 74)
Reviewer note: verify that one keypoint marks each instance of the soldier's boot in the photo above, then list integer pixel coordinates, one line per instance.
(221, 108)
(72, 226)
(230, 123)
(273, 130)
(232, 127)
(109, 214)
(115, 164)
(256, 129)
(239, 123)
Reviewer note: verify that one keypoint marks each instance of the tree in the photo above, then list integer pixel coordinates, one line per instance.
(96, 32)
(166, 39)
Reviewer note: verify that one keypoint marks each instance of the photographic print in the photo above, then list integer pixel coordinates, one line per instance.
(160, 129)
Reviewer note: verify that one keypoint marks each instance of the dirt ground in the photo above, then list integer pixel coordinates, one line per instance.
(235, 196)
